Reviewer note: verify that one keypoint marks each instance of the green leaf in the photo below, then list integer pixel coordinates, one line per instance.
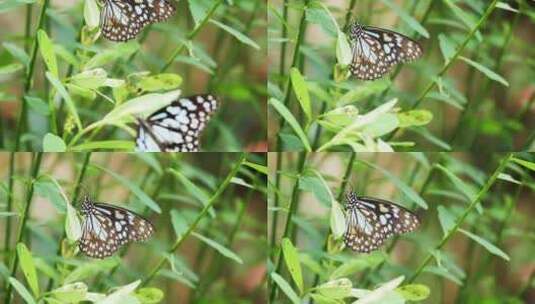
(313, 184)
(73, 229)
(447, 47)
(291, 257)
(91, 268)
(290, 119)
(197, 192)
(121, 294)
(122, 50)
(90, 79)
(446, 219)
(28, 268)
(6, 214)
(336, 289)
(344, 54)
(524, 163)
(286, 288)
(121, 145)
(160, 82)
(23, 292)
(143, 197)
(408, 191)
(339, 118)
(70, 293)
(363, 91)
(179, 222)
(414, 118)
(488, 72)
(301, 92)
(488, 245)
(199, 9)
(38, 105)
(53, 143)
(443, 272)
(68, 101)
(46, 47)
(384, 294)
(17, 52)
(415, 25)
(149, 295)
(260, 168)
(237, 34)
(91, 14)
(465, 189)
(356, 265)
(219, 248)
(338, 221)
(414, 292)
(10, 68)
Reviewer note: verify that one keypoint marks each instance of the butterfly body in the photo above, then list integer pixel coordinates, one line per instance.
(370, 221)
(176, 127)
(376, 50)
(107, 227)
(122, 20)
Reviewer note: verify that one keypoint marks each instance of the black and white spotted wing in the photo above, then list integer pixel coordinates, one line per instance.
(176, 127)
(376, 51)
(107, 227)
(122, 20)
(370, 221)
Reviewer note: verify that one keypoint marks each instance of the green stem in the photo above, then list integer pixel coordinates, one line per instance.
(10, 194)
(200, 216)
(295, 59)
(292, 208)
(191, 35)
(36, 164)
(21, 119)
(460, 221)
(284, 44)
(274, 220)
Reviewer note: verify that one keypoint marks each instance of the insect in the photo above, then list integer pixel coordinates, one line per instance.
(370, 221)
(176, 127)
(122, 20)
(376, 51)
(107, 227)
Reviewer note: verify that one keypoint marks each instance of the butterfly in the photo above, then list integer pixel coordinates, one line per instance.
(122, 20)
(370, 221)
(176, 127)
(107, 227)
(376, 50)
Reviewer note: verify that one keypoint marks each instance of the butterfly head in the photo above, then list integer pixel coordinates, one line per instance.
(351, 200)
(355, 30)
(86, 206)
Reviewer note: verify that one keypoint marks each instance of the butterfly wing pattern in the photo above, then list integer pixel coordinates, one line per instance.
(176, 127)
(122, 20)
(376, 50)
(370, 221)
(107, 227)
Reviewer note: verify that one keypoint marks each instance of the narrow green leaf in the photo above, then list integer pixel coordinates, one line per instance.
(524, 163)
(17, 52)
(38, 105)
(488, 72)
(23, 292)
(237, 34)
(197, 192)
(344, 54)
(465, 189)
(301, 92)
(6, 214)
(70, 293)
(408, 191)
(91, 14)
(291, 257)
(413, 23)
(260, 168)
(122, 50)
(446, 219)
(53, 143)
(488, 245)
(116, 145)
(290, 119)
(150, 295)
(120, 294)
(73, 229)
(46, 47)
(336, 289)
(10, 68)
(447, 47)
(160, 82)
(179, 222)
(338, 221)
(286, 288)
(414, 292)
(28, 268)
(219, 248)
(90, 79)
(414, 118)
(68, 101)
(143, 197)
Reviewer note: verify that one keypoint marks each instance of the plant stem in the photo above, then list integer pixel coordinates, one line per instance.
(295, 59)
(292, 208)
(36, 164)
(459, 222)
(276, 199)
(200, 216)
(10, 194)
(284, 43)
(191, 35)
(21, 120)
